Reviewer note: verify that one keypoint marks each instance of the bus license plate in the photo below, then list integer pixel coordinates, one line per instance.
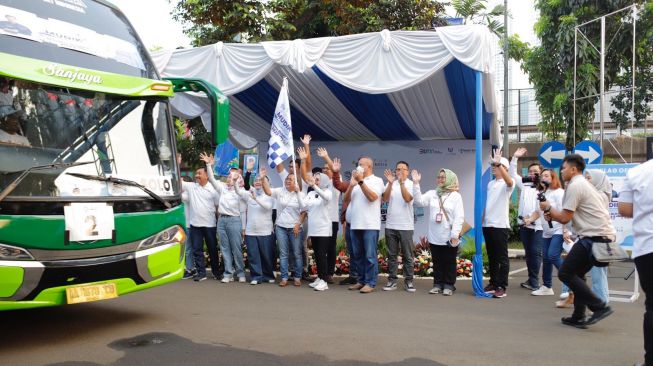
(76, 295)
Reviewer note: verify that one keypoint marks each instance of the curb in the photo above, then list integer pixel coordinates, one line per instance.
(516, 253)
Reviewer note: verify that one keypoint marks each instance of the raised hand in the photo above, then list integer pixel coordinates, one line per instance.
(306, 140)
(302, 153)
(356, 176)
(417, 177)
(389, 175)
(336, 165)
(310, 180)
(497, 156)
(208, 159)
(520, 152)
(262, 172)
(322, 152)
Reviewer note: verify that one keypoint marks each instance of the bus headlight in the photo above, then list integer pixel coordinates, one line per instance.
(11, 253)
(174, 234)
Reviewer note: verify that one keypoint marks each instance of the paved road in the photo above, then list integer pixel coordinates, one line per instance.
(209, 323)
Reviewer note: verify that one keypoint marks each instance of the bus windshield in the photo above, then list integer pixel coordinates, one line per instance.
(116, 136)
(87, 34)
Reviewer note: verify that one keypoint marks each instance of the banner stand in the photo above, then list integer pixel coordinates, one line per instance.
(626, 296)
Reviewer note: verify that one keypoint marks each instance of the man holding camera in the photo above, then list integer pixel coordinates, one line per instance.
(530, 228)
(584, 207)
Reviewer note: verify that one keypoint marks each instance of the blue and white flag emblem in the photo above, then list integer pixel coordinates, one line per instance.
(281, 140)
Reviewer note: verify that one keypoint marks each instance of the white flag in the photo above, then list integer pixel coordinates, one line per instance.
(281, 140)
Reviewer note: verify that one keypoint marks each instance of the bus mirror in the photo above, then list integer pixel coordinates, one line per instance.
(219, 105)
(149, 134)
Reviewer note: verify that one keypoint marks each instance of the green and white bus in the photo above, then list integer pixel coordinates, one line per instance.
(90, 193)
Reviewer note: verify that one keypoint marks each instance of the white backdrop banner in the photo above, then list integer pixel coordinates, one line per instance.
(428, 157)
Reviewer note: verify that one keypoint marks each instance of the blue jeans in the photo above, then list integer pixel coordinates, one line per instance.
(190, 258)
(229, 229)
(364, 244)
(552, 250)
(287, 241)
(260, 255)
(600, 283)
(353, 260)
(198, 235)
(532, 241)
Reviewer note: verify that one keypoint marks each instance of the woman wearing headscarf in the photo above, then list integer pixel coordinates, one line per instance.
(319, 221)
(258, 230)
(599, 275)
(446, 219)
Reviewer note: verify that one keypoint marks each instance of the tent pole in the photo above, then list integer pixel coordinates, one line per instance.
(478, 197)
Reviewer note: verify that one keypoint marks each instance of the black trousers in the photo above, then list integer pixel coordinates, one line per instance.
(496, 244)
(644, 266)
(331, 250)
(320, 248)
(444, 265)
(572, 273)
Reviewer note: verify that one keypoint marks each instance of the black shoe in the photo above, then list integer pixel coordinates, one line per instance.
(599, 315)
(528, 286)
(306, 277)
(199, 278)
(575, 322)
(348, 281)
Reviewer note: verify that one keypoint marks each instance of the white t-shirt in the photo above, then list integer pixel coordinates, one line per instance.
(638, 190)
(554, 197)
(317, 204)
(528, 203)
(400, 213)
(184, 199)
(334, 205)
(497, 205)
(288, 209)
(203, 201)
(13, 139)
(366, 215)
(229, 199)
(441, 232)
(259, 213)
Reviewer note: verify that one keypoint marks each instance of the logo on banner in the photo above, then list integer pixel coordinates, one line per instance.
(281, 144)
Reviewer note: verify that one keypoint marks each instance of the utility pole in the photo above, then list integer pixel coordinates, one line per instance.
(505, 78)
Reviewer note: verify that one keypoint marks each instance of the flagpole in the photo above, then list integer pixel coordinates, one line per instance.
(292, 137)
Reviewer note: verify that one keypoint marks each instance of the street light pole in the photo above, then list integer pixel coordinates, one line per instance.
(505, 77)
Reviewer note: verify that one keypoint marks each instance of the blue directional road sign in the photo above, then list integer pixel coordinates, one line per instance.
(551, 154)
(590, 151)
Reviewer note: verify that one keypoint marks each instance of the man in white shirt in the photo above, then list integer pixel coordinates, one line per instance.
(496, 225)
(202, 201)
(636, 201)
(10, 131)
(399, 225)
(530, 228)
(365, 191)
(584, 207)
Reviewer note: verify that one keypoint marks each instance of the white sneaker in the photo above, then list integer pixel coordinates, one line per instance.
(321, 286)
(254, 282)
(564, 295)
(543, 291)
(226, 279)
(272, 281)
(315, 283)
(242, 279)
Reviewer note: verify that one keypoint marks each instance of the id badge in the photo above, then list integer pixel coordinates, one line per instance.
(438, 217)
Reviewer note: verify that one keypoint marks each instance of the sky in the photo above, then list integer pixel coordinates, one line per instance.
(158, 29)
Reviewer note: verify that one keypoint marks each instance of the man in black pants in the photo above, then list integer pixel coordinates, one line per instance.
(496, 225)
(584, 207)
(636, 201)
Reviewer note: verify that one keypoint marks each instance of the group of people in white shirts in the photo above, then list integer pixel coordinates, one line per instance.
(308, 206)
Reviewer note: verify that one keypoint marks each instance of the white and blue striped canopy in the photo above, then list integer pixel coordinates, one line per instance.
(403, 85)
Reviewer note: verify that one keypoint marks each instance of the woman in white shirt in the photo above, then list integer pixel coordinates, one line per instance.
(446, 219)
(288, 227)
(319, 224)
(551, 232)
(258, 231)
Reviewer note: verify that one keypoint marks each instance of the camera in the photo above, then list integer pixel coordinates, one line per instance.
(534, 180)
(543, 186)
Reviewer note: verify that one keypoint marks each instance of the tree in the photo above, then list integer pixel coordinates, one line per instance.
(622, 102)
(550, 65)
(192, 139)
(475, 12)
(210, 21)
